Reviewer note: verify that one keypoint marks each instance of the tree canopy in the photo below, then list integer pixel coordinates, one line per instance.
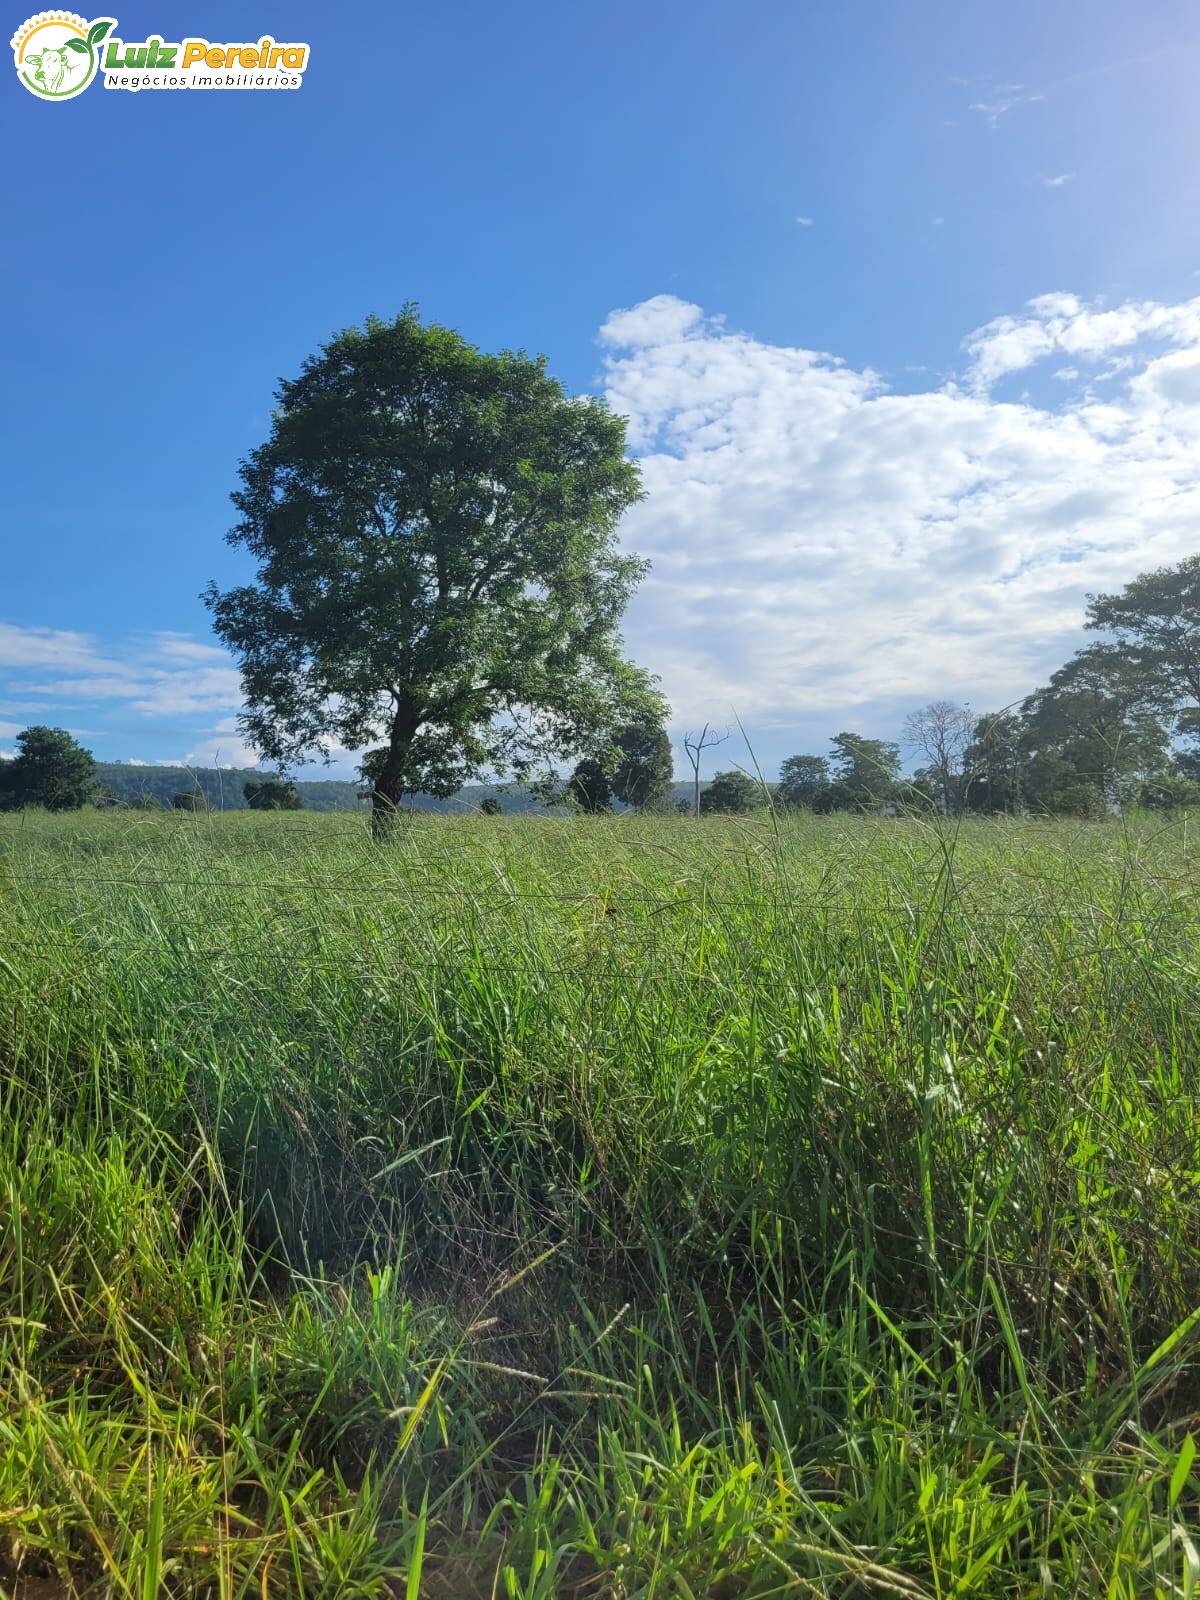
(1090, 729)
(731, 792)
(994, 763)
(588, 787)
(50, 769)
(865, 772)
(1156, 620)
(941, 732)
(644, 768)
(635, 768)
(438, 568)
(803, 781)
(272, 794)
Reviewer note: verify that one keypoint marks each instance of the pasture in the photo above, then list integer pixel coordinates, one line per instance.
(608, 1207)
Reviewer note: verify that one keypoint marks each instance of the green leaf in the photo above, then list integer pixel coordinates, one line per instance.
(97, 31)
(1183, 1465)
(410, 1155)
(418, 1411)
(412, 1587)
(78, 46)
(1168, 1344)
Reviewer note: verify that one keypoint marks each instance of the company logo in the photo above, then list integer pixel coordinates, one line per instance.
(57, 54)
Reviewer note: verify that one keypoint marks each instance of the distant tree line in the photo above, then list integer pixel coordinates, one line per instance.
(1118, 725)
(51, 769)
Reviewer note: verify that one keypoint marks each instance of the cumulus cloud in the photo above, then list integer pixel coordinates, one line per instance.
(826, 551)
(1064, 324)
(664, 316)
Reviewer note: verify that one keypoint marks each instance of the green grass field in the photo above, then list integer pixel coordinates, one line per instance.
(598, 1208)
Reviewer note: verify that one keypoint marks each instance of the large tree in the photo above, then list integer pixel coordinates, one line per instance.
(866, 773)
(50, 769)
(635, 769)
(1091, 735)
(438, 567)
(994, 763)
(1156, 618)
(644, 768)
(588, 787)
(941, 732)
(1155, 621)
(803, 781)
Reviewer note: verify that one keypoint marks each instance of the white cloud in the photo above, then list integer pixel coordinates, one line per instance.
(1057, 181)
(1064, 323)
(661, 317)
(1002, 99)
(221, 746)
(161, 681)
(156, 675)
(826, 550)
(1170, 381)
(182, 693)
(805, 222)
(45, 647)
(183, 648)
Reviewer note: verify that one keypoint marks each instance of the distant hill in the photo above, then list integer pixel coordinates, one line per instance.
(222, 788)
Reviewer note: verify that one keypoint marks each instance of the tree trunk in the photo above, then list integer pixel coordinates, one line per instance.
(389, 788)
(386, 796)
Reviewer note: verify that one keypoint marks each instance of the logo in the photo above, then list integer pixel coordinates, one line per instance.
(57, 54)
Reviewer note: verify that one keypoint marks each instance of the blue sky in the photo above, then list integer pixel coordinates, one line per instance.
(900, 300)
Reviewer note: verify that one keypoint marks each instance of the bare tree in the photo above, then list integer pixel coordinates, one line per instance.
(941, 732)
(696, 745)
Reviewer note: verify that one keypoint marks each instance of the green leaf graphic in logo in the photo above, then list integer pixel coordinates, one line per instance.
(79, 45)
(97, 31)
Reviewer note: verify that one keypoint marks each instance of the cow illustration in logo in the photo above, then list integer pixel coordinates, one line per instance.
(57, 53)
